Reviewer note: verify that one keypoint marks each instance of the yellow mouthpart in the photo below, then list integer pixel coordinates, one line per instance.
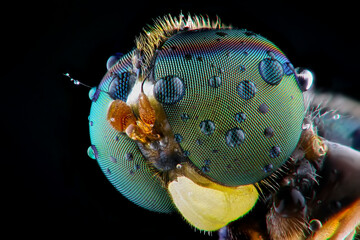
(207, 205)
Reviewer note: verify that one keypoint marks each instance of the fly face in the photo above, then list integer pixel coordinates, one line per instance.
(211, 121)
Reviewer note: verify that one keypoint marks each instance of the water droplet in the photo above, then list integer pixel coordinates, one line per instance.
(76, 82)
(215, 82)
(269, 132)
(240, 117)
(108, 171)
(271, 71)
(205, 169)
(184, 117)
(268, 168)
(121, 85)
(169, 90)
(92, 92)
(112, 60)
(315, 225)
(92, 152)
(112, 159)
(336, 116)
(246, 89)
(234, 137)
(207, 127)
(275, 152)
(263, 108)
(178, 138)
(242, 68)
(91, 123)
(305, 78)
(129, 156)
(179, 166)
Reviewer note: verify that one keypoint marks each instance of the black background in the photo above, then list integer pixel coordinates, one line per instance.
(50, 186)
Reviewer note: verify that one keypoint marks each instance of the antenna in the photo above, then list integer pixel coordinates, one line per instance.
(94, 91)
(76, 82)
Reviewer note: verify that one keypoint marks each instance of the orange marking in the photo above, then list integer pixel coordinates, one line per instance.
(136, 133)
(341, 225)
(122, 119)
(146, 112)
(120, 115)
(254, 235)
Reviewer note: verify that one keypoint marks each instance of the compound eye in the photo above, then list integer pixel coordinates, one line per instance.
(234, 98)
(117, 154)
(121, 85)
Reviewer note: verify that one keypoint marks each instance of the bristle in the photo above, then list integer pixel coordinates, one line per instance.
(290, 228)
(154, 36)
(271, 183)
(268, 184)
(260, 191)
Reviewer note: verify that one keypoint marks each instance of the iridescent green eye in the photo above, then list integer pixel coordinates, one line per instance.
(243, 92)
(119, 156)
(225, 101)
